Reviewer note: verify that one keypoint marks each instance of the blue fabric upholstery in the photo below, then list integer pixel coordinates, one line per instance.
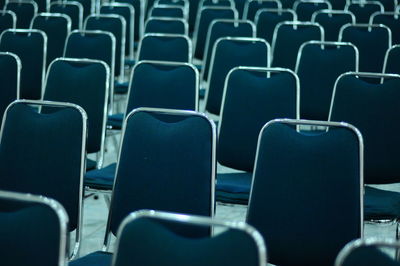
(267, 21)
(155, 25)
(8, 81)
(138, 16)
(305, 10)
(98, 258)
(87, 7)
(299, 190)
(381, 204)
(164, 48)
(332, 22)
(393, 61)
(25, 12)
(289, 3)
(169, 12)
(6, 21)
(115, 121)
(121, 87)
(389, 5)
(233, 187)
(90, 164)
(363, 11)
(69, 9)
(392, 22)
(369, 256)
(251, 8)
(101, 178)
(338, 4)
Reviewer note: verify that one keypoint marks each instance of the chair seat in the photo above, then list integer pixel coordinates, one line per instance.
(121, 87)
(98, 258)
(202, 93)
(101, 178)
(130, 62)
(233, 187)
(115, 120)
(381, 204)
(368, 256)
(90, 164)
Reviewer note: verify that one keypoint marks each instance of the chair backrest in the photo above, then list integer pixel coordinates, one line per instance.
(34, 231)
(8, 20)
(252, 6)
(166, 25)
(168, 11)
(389, 5)
(34, 149)
(364, 9)
(84, 82)
(30, 46)
(57, 27)
(287, 39)
(72, 9)
(24, 10)
(88, 7)
(10, 69)
(314, 175)
(183, 3)
(43, 5)
(331, 59)
(390, 19)
(167, 85)
(224, 28)
(332, 21)
(139, 6)
(338, 4)
(267, 19)
(392, 60)
(372, 42)
(165, 47)
(145, 232)
(228, 53)
(371, 107)
(204, 19)
(170, 154)
(261, 94)
(305, 8)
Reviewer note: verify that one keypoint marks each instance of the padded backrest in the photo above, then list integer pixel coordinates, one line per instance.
(338, 4)
(163, 85)
(389, 5)
(8, 20)
(30, 47)
(363, 11)
(25, 11)
(139, 6)
(372, 108)
(57, 27)
(84, 83)
(88, 7)
(392, 60)
(332, 21)
(252, 6)
(34, 149)
(287, 39)
(166, 25)
(166, 162)
(389, 19)
(305, 9)
(372, 43)
(167, 11)
(10, 69)
(312, 175)
(252, 97)
(183, 3)
(331, 60)
(73, 10)
(229, 53)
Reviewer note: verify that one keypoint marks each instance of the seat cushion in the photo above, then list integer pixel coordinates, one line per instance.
(202, 93)
(130, 62)
(381, 204)
(115, 121)
(101, 178)
(368, 256)
(98, 258)
(90, 164)
(233, 187)
(121, 87)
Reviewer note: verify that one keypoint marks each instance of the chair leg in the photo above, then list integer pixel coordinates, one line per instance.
(397, 239)
(107, 199)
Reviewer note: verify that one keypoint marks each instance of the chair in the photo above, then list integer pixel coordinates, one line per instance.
(165, 47)
(139, 6)
(10, 67)
(24, 10)
(315, 175)
(34, 149)
(252, 6)
(8, 20)
(331, 59)
(57, 27)
(166, 25)
(389, 5)
(267, 19)
(228, 53)
(204, 19)
(144, 232)
(358, 99)
(372, 42)
(84, 82)
(390, 19)
(30, 226)
(290, 3)
(183, 3)
(252, 97)
(30, 47)
(287, 39)
(392, 57)
(88, 7)
(167, 11)
(224, 28)
(332, 21)
(305, 8)
(363, 10)
(43, 5)
(167, 153)
(72, 9)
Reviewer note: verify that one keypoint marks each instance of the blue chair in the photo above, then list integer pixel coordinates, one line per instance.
(57, 27)
(43, 5)
(287, 39)
(363, 10)
(8, 20)
(10, 67)
(229, 52)
(372, 42)
(252, 97)
(389, 19)
(145, 232)
(267, 19)
(72, 9)
(30, 147)
(332, 21)
(339, 4)
(306, 189)
(305, 8)
(252, 6)
(30, 47)
(139, 7)
(24, 10)
(184, 3)
(331, 59)
(290, 3)
(392, 60)
(30, 226)
(166, 25)
(167, 11)
(89, 7)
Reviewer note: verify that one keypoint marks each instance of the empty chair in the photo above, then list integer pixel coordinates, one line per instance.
(43, 5)
(332, 21)
(252, 6)
(230, 52)
(145, 232)
(165, 47)
(30, 47)
(267, 19)
(389, 5)
(57, 27)
(139, 7)
(10, 69)
(331, 59)
(166, 25)
(183, 3)
(290, 3)
(168, 12)
(261, 94)
(287, 39)
(362, 10)
(305, 8)
(8, 20)
(24, 10)
(338, 4)
(312, 175)
(72, 9)
(390, 19)
(88, 7)
(227, 3)
(392, 60)
(203, 22)
(43, 154)
(372, 42)
(30, 224)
